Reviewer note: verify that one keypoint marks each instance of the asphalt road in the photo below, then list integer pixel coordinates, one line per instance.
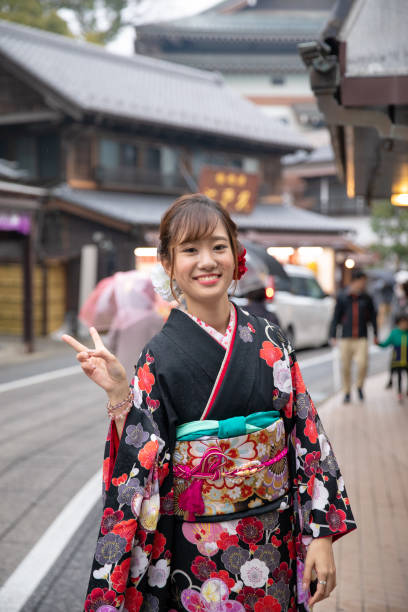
(52, 438)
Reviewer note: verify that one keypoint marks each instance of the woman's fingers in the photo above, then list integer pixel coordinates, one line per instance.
(326, 581)
(99, 345)
(307, 574)
(77, 346)
(320, 591)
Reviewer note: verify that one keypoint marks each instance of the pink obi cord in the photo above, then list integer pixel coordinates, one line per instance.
(191, 500)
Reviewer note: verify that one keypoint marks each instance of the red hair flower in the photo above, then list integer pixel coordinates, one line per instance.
(241, 264)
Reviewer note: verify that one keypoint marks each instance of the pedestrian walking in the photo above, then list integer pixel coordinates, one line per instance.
(398, 339)
(221, 489)
(399, 304)
(353, 312)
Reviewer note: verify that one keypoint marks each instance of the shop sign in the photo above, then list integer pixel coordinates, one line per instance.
(236, 191)
(15, 223)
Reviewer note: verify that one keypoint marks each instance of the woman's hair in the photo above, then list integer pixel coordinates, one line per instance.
(192, 217)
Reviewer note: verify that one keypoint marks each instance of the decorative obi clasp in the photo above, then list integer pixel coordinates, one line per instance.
(231, 474)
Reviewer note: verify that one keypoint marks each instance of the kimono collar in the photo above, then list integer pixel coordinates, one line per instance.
(223, 339)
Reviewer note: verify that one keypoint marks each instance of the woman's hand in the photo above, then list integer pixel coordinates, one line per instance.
(101, 366)
(320, 558)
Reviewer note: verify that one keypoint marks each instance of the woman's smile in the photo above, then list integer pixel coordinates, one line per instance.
(207, 279)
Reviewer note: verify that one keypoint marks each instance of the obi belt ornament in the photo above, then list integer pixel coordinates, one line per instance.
(230, 475)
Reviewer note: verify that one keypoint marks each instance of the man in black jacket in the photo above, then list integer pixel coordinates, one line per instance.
(353, 312)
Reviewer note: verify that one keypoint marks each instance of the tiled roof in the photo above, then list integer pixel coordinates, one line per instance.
(10, 170)
(245, 25)
(383, 28)
(140, 209)
(320, 155)
(90, 80)
(257, 63)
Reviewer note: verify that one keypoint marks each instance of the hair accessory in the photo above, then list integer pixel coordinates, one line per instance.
(242, 264)
(161, 283)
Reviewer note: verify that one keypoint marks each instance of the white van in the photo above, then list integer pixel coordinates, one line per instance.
(304, 310)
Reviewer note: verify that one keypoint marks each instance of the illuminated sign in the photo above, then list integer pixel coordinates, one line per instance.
(15, 223)
(234, 190)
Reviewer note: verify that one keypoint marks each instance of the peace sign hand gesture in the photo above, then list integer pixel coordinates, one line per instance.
(101, 366)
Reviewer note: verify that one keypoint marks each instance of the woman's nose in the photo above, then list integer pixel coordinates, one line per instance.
(206, 259)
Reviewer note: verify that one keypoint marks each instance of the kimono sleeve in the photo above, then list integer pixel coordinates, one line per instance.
(135, 474)
(320, 498)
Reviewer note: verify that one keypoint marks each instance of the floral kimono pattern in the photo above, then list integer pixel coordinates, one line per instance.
(242, 558)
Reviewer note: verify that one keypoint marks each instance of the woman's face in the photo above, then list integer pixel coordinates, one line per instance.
(204, 268)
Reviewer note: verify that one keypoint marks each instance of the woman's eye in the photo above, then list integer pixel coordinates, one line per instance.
(189, 250)
(220, 247)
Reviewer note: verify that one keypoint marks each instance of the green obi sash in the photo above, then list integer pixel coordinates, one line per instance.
(227, 428)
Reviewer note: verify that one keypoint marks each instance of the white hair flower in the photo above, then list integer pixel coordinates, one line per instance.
(161, 283)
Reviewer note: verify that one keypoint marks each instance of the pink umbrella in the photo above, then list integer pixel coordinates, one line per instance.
(118, 300)
(99, 308)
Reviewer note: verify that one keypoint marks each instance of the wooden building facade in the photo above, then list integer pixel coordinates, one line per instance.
(95, 141)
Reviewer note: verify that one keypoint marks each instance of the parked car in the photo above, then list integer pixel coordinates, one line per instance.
(302, 307)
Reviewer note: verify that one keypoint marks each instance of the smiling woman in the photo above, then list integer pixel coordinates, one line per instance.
(223, 492)
(199, 250)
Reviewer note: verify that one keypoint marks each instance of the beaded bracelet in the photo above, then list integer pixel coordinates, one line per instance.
(112, 409)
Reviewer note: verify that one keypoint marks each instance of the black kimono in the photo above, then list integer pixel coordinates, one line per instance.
(222, 476)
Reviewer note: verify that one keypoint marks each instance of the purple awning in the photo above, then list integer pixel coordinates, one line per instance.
(15, 223)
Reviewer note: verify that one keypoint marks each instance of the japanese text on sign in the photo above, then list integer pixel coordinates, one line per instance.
(236, 191)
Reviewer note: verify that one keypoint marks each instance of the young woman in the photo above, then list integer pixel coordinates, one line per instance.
(221, 490)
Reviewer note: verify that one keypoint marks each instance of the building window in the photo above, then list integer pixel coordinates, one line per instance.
(129, 154)
(152, 158)
(109, 153)
(26, 155)
(278, 79)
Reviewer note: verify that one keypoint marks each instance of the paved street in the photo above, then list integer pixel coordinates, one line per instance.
(52, 444)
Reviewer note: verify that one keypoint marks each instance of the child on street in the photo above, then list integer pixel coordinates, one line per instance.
(398, 339)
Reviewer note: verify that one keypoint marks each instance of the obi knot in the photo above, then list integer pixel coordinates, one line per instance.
(235, 426)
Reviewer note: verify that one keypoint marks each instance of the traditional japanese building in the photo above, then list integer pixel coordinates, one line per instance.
(253, 44)
(97, 145)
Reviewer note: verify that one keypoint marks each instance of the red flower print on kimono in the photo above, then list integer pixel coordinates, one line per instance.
(310, 485)
(109, 519)
(126, 530)
(133, 600)
(163, 473)
(146, 379)
(99, 597)
(270, 353)
(283, 572)
(250, 530)
(312, 463)
(288, 409)
(158, 545)
(147, 454)
(297, 378)
(311, 431)
(226, 540)
(248, 596)
(268, 604)
(336, 519)
(120, 575)
(120, 480)
(202, 568)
